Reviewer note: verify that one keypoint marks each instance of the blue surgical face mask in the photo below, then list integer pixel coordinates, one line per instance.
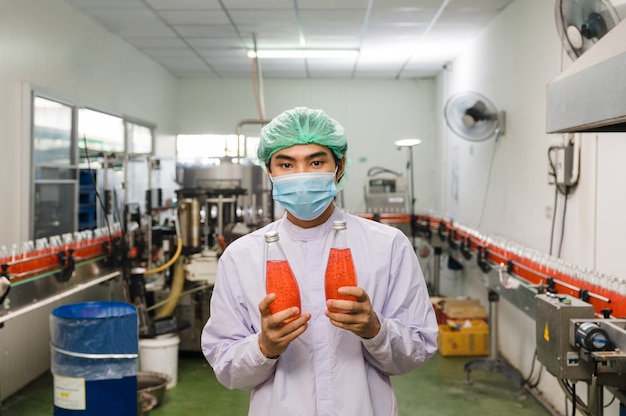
(305, 195)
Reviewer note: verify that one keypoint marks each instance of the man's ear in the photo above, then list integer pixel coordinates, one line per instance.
(341, 167)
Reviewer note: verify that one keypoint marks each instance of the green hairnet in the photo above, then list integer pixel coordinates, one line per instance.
(303, 125)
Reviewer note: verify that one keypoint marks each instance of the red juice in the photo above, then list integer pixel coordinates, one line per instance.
(339, 273)
(279, 279)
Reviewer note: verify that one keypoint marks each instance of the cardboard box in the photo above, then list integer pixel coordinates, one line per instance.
(471, 339)
(457, 309)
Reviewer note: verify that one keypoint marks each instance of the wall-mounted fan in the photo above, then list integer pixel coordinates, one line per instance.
(473, 117)
(581, 23)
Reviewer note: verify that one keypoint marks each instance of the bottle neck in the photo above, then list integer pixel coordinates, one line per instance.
(340, 239)
(274, 252)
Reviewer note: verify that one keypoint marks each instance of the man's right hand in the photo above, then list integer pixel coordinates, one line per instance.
(275, 335)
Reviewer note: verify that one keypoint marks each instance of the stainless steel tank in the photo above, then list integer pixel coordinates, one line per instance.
(189, 220)
(231, 176)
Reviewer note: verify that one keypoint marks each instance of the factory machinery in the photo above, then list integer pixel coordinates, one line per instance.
(574, 345)
(73, 267)
(42, 272)
(167, 269)
(216, 204)
(580, 317)
(160, 257)
(171, 263)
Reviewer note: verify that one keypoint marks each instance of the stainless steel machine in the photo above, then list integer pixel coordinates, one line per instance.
(235, 187)
(574, 345)
(217, 203)
(385, 191)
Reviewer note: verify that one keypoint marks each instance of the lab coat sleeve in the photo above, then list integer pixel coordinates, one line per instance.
(408, 333)
(229, 339)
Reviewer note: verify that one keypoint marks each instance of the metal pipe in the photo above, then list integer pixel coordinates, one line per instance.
(436, 270)
(149, 214)
(238, 130)
(493, 323)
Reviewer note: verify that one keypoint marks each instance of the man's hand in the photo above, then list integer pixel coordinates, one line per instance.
(359, 317)
(276, 335)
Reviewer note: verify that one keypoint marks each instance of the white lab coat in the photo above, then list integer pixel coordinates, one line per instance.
(327, 370)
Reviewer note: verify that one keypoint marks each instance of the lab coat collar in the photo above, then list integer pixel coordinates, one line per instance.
(308, 234)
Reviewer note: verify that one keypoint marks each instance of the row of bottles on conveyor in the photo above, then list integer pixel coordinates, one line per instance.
(44, 248)
(382, 210)
(280, 280)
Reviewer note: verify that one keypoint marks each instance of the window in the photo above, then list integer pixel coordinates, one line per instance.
(139, 139)
(53, 210)
(52, 132)
(72, 146)
(100, 132)
(204, 148)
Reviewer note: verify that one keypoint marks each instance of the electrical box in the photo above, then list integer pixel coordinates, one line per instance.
(385, 193)
(564, 165)
(554, 349)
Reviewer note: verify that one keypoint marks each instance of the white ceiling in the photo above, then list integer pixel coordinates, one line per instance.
(210, 38)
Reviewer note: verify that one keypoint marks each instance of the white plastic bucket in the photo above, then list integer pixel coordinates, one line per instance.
(160, 355)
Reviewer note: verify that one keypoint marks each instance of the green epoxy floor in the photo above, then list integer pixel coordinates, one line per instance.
(437, 389)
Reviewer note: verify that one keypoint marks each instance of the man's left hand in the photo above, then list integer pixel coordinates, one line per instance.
(359, 317)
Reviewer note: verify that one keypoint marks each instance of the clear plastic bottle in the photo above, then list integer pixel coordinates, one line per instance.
(279, 278)
(340, 269)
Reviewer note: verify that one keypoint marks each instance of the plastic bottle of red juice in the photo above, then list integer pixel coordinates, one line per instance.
(340, 267)
(279, 279)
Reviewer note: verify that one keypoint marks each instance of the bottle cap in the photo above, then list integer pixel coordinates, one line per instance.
(271, 236)
(339, 225)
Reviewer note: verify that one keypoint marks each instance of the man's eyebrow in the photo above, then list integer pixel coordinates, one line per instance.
(288, 158)
(284, 157)
(317, 154)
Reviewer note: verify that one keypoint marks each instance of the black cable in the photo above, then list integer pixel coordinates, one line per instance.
(95, 188)
(570, 393)
(532, 368)
(610, 403)
(536, 383)
(574, 396)
(559, 189)
(118, 212)
(527, 381)
(488, 185)
(556, 194)
(563, 221)
(375, 170)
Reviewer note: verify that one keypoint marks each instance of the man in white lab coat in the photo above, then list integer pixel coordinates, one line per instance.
(321, 363)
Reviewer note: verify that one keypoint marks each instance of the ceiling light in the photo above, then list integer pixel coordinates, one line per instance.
(304, 53)
(407, 142)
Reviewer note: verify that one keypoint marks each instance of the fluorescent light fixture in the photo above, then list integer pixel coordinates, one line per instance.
(407, 142)
(304, 53)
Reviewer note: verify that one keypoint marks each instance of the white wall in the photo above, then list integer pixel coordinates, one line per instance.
(511, 62)
(374, 113)
(49, 45)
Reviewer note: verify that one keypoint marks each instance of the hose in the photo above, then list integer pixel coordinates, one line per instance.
(183, 293)
(178, 281)
(179, 249)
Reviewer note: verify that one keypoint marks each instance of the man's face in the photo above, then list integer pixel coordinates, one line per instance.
(303, 158)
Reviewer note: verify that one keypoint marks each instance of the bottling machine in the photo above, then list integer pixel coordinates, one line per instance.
(574, 345)
(148, 231)
(217, 202)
